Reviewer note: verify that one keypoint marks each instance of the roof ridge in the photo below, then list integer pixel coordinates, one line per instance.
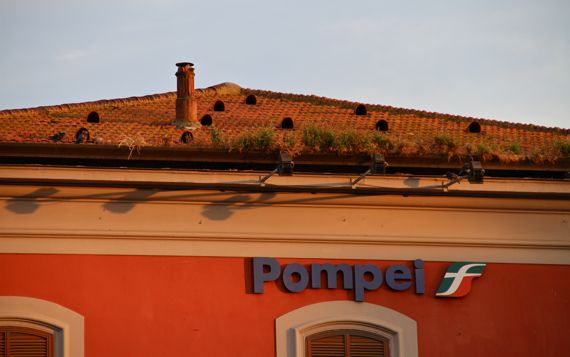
(218, 89)
(225, 88)
(89, 103)
(399, 111)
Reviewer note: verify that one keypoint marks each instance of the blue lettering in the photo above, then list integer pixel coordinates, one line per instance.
(395, 273)
(260, 277)
(361, 283)
(292, 285)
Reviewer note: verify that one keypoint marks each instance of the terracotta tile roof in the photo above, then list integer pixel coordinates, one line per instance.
(319, 125)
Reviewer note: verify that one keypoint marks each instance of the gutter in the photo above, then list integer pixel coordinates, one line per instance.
(193, 157)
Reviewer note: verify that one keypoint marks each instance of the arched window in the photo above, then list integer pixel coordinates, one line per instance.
(251, 100)
(206, 120)
(474, 127)
(82, 136)
(39, 328)
(186, 137)
(287, 123)
(219, 106)
(347, 327)
(93, 117)
(360, 109)
(382, 125)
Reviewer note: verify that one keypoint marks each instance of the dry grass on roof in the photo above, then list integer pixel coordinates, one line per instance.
(318, 138)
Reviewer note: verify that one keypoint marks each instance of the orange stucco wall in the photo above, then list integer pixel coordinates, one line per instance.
(200, 306)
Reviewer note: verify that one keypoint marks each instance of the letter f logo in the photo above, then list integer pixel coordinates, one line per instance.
(457, 279)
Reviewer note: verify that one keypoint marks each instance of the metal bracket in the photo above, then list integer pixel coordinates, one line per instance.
(284, 167)
(378, 165)
(472, 171)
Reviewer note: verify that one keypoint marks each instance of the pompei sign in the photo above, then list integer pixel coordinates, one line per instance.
(361, 278)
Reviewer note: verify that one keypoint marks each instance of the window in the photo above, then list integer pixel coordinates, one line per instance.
(251, 100)
(186, 137)
(93, 117)
(360, 109)
(287, 123)
(38, 328)
(345, 328)
(82, 136)
(18, 341)
(474, 127)
(346, 343)
(219, 106)
(382, 125)
(206, 120)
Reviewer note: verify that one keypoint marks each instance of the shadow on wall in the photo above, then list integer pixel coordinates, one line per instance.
(124, 202)
(127, 201)
(31, 202)
(412, 182)
(225, 209)
(119, 203)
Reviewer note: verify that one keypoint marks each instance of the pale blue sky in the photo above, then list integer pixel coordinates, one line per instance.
(498, 59)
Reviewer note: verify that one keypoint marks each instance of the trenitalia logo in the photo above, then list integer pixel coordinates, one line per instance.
(457, 279)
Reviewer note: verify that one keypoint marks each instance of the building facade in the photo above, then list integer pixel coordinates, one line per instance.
(215, 245)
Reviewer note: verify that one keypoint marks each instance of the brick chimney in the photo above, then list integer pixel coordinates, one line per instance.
(186, 105)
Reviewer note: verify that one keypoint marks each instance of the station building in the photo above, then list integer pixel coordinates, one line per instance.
(228, 221)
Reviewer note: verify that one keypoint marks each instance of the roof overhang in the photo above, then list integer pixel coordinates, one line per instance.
(218, 159)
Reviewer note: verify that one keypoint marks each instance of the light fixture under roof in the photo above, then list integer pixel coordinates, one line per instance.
(473, 171)
(377, 166)
(284, 167)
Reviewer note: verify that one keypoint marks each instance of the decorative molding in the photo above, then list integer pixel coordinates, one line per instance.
(234, 248)
(103, 220)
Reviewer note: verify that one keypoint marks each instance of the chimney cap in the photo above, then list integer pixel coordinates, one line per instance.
(183, 64)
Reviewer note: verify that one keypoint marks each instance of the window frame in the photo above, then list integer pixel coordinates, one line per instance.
(293, 328)
(66, 325)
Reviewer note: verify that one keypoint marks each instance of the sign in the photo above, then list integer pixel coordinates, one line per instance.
(457, 280)
(361, 278)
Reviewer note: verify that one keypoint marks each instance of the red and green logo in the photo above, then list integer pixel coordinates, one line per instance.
(457, 279)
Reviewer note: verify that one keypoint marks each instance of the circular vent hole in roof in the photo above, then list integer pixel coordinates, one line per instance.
(206, 120)
(251, 100)
(186, 137)
(474, 127)
(82, 136)
(219, 106)
(287, 123)
(360, 110)
(382, 125)
(93, 117)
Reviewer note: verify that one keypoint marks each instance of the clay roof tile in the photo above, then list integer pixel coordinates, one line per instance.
(410, 131)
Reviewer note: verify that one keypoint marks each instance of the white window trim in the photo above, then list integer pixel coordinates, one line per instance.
(31, 312)
(292, 328)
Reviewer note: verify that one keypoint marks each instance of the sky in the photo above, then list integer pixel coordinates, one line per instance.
(496, 59)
